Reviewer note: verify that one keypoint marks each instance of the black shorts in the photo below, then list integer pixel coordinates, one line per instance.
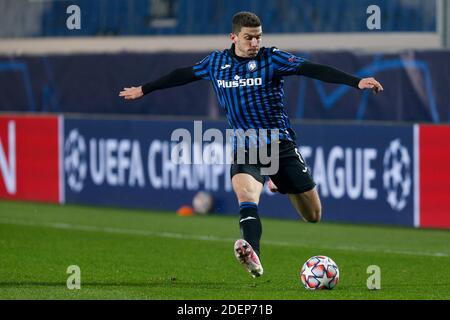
(293, 176)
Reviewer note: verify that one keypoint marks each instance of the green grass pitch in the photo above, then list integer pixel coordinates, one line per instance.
(130, 254)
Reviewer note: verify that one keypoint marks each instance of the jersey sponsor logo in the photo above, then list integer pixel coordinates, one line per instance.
(238, 82)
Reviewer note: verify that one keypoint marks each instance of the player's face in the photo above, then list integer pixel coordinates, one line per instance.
(247, 42)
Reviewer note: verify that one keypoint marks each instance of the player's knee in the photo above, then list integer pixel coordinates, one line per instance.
(315, 215)
(246, 195)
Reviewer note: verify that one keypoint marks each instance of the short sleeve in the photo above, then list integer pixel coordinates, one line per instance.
(285, 63)
(201, 69)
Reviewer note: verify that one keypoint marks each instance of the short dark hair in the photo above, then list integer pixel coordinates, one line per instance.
(245, 19)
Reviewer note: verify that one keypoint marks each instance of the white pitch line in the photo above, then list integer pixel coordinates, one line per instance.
(173, 235)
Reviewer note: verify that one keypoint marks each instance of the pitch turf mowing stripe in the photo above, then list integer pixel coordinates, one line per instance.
(68, 226)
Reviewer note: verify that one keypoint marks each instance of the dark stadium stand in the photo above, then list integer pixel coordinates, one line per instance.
(183, 17)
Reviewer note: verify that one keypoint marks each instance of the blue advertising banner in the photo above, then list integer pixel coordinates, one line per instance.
(364, 173)
(128, 164)
(415, 84)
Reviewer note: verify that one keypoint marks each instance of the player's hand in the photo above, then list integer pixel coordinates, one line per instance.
(131, 93)
(370, 83)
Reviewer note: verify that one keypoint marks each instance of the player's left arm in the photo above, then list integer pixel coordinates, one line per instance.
(332, 75)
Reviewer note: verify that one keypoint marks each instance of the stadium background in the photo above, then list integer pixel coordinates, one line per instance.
(68, 138)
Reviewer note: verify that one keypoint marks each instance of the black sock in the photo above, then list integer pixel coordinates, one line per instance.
(250, 224)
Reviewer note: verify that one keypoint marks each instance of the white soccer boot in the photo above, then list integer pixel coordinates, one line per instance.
(248, 258)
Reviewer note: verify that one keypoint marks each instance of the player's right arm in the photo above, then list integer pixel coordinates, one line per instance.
(176, 78)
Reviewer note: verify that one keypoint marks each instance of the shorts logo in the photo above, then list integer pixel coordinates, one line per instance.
(304, 170)
(397, 175)
(251, 66)
(75, 163)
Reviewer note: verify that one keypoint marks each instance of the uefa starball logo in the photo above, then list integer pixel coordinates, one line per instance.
(397, 175)
(75, 160)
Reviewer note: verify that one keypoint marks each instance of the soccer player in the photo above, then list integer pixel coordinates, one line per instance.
(248, 82)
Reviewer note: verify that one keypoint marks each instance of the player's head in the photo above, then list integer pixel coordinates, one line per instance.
(246, 34)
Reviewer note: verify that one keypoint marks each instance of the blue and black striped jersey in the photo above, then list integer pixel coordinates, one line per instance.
(251, 90)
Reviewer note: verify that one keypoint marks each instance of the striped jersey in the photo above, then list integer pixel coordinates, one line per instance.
(251, 89)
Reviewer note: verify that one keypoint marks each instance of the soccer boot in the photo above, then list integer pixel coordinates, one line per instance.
(272, 186)
(248, 258)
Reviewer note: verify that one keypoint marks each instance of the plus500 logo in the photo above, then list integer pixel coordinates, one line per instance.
(240, 83)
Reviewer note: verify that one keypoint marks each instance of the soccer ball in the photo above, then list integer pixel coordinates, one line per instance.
(202, 202)
(319, 272)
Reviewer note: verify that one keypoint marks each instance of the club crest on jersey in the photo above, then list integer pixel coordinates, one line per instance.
(251, 66)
